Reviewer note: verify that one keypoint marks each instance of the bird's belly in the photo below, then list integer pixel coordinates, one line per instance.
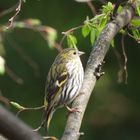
(68, 95)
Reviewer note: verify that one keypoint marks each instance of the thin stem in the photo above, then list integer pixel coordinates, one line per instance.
(7, 11)
(11, 20)
(68, 32)
(13, 76)
(121, 70)
(92, 7)
(31, 108)
(125, 59)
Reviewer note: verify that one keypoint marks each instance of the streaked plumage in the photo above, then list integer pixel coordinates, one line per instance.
(63, 82)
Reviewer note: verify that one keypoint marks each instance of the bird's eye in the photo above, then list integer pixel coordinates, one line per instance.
(74, 53)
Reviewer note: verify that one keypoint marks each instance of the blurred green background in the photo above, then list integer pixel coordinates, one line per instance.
(113, 110)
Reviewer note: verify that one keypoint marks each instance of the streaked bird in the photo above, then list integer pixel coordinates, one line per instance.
(63, 82)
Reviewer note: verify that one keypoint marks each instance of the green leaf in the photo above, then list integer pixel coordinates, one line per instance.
(16, 105)
(107, 9)
(103, 22)
(85, 30)
(120, 8)
(33, 22)
(72, 41)
(138, 10)
(136, 33)
(122, 31)
(19, 24)
(92, 35)
(98, 31)
(2, 65)
(135, 22)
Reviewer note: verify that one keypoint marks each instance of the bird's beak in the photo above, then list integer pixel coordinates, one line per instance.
(80, 53)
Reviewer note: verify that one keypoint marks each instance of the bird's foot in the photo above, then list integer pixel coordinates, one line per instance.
(72, 110)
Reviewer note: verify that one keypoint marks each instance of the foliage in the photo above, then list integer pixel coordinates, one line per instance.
(72, 41)
(95, 25)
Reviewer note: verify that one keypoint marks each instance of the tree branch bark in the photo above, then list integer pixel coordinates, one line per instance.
(14, 129)
(96, 57)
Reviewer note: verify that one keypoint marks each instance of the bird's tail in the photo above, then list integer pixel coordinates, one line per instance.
(47, 117)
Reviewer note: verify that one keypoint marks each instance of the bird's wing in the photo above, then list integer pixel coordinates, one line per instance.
(56, 79)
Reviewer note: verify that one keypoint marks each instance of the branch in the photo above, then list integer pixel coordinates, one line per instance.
(92, 7)
(11, 20)
(13, 75)
(125, 60)
(96, 57)
(14, 129)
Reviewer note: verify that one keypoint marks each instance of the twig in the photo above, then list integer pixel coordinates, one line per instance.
(11, 20)
(31, 108)
(121, 69)
(68, 32)
(4, 100)
(103, 1)
(136, 39)
(62, 40)
(58, 47)
(13, 76)
(92, 7)
(71, 30)
(7, 11)
(125, 59)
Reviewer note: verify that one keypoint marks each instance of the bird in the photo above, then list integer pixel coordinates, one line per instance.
(63, 82)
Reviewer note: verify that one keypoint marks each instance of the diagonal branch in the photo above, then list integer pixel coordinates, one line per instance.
(14, 129)
(96, 57)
